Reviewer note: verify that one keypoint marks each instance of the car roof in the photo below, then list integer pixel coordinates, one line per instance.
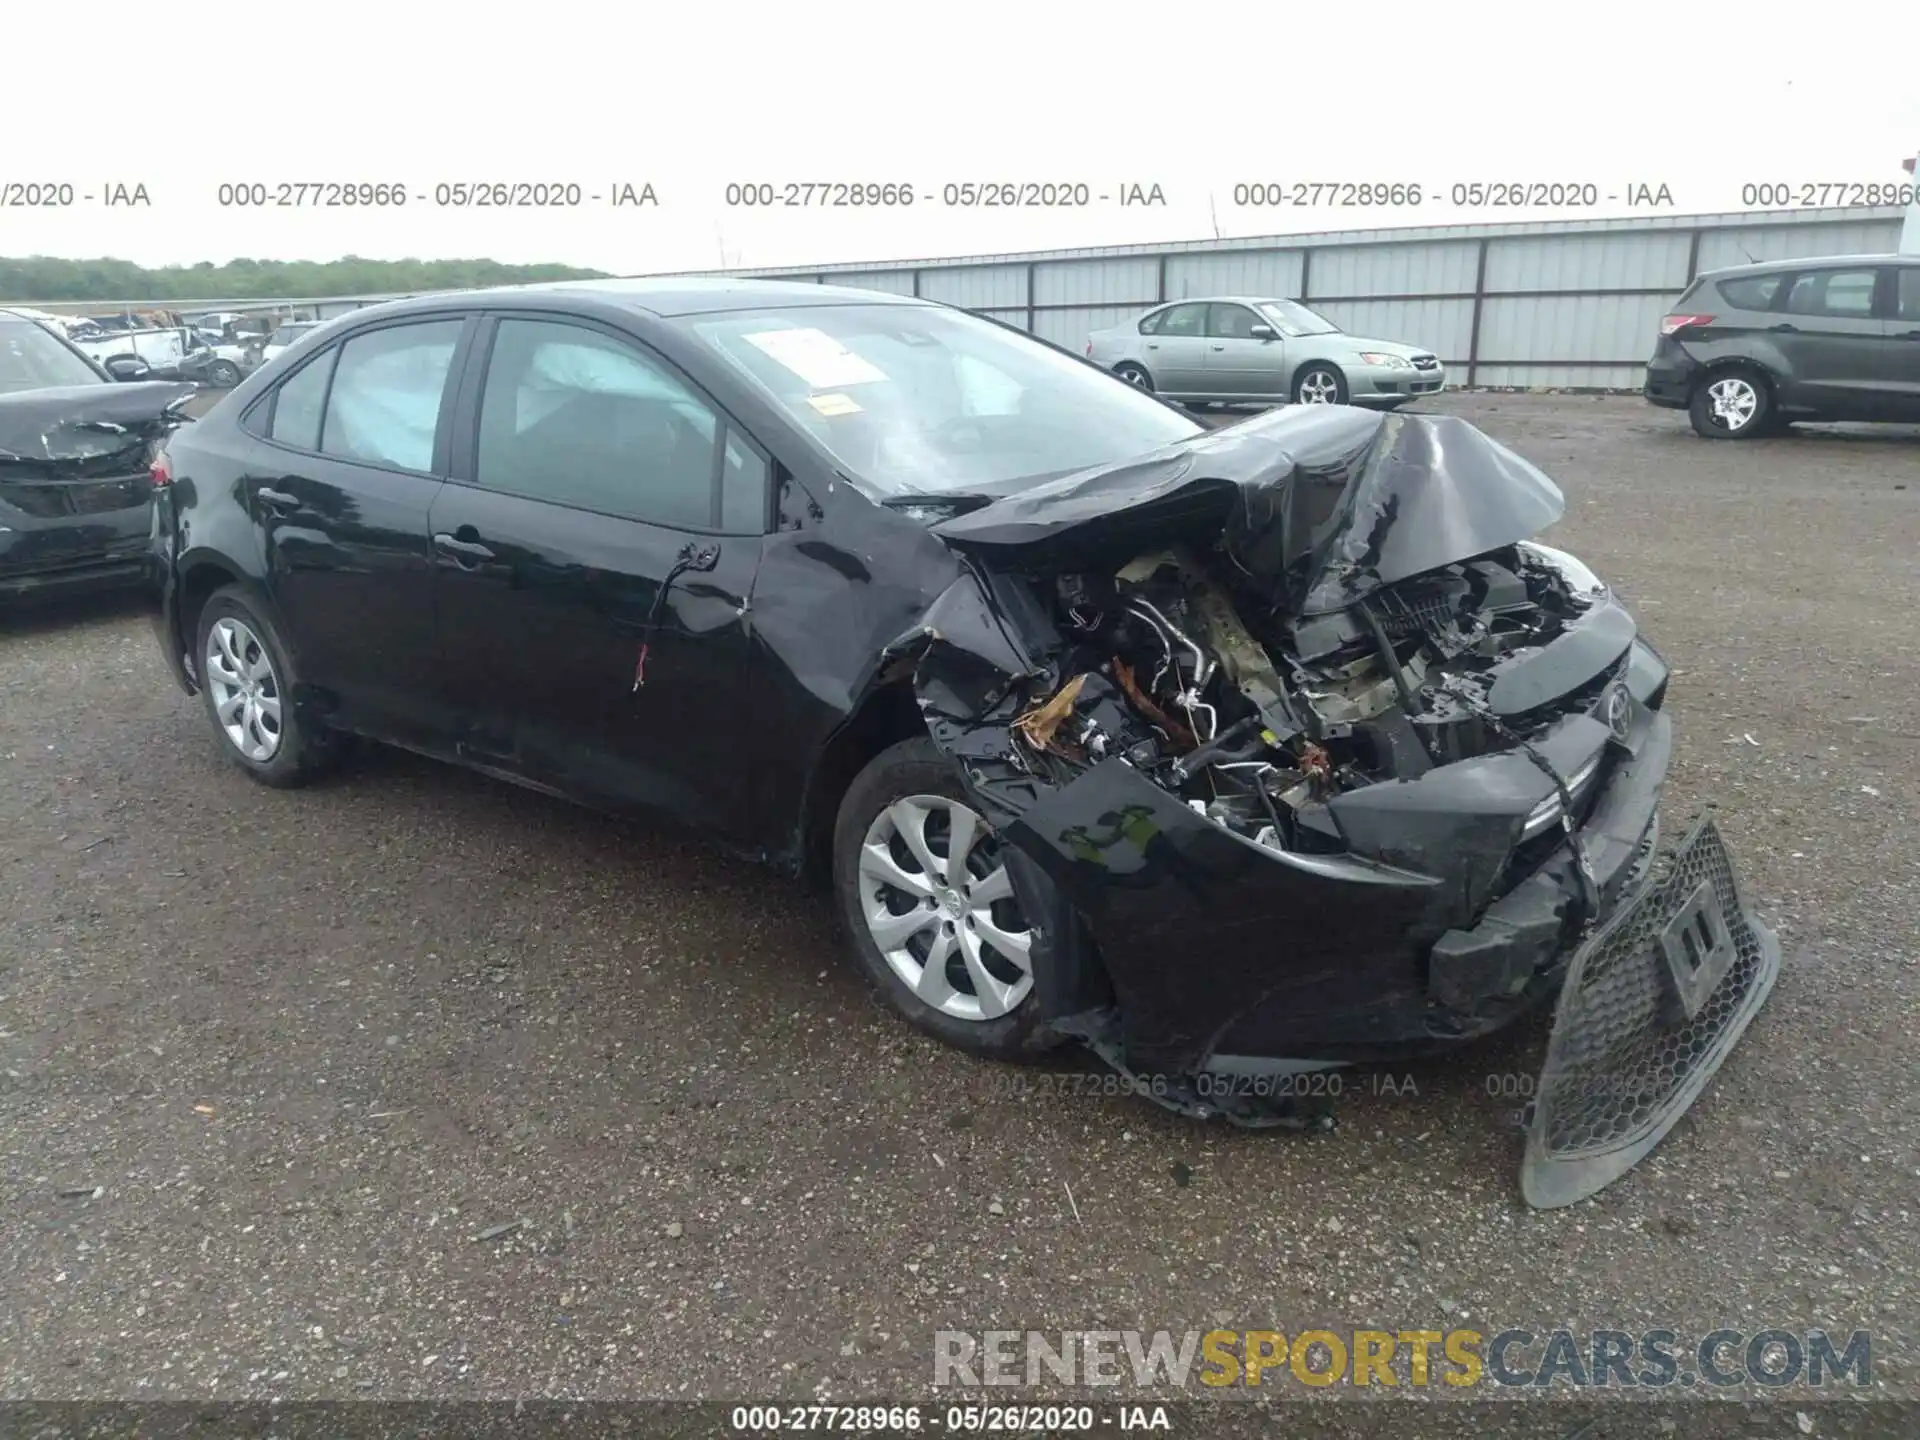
(665, 296)
(1230, 300)
(1807, 262)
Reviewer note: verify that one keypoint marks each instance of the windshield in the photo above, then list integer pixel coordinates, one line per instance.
(31, 359)
(914, 400)
(1293, 318)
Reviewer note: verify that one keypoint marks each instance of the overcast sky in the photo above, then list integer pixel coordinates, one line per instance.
(1192, 98)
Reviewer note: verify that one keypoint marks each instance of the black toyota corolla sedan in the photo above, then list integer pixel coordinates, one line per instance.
(1238, 756)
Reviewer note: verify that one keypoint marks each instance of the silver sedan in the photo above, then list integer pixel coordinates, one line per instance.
(1236, 349)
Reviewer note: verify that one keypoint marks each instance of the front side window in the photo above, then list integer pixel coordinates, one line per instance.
(297, 405)
(919, 399)
(384, 406)
(1230, 322)
(32, 359)
(577, 417)
(1836, 294)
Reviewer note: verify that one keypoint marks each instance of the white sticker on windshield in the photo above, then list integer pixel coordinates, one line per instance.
(834, 404)
(817, 358)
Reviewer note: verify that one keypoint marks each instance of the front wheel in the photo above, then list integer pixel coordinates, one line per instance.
(224, 375)
(1732, 405)
(1319, 384)
(924, 893)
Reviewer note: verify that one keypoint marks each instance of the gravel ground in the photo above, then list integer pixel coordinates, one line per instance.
(280, 1067)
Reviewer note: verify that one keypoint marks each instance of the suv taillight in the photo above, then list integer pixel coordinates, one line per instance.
(1673, 324)
(161, 472)
(1089, 349)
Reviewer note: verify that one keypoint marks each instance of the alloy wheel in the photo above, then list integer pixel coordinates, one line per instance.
(246, 692)
(1319, 387)
(1732, 402)
(938, 902)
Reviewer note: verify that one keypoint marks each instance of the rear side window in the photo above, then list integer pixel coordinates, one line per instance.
(1151, 325)
(385, 403)
(1837, 294)
(1751, 292)
(577, 417)
(296, 407)
(1184, 320)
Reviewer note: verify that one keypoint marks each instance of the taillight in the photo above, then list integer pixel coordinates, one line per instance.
(161, 472)
(1089, 349)
(1672, 324)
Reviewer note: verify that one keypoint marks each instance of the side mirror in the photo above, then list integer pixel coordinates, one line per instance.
(1262, 332)
(127, 367)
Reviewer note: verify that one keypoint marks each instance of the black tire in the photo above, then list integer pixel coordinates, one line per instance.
(1738, 382)
(1135, 375)
(1314, 371)
(916, 767)
(303, 750)
(224, 375)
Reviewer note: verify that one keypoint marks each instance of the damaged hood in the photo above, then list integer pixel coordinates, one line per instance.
(79, 423)
(1319, 505)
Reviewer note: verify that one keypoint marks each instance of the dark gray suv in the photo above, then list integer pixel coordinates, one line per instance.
(1749, 350)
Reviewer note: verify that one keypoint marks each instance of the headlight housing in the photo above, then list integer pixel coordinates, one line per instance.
(1385, 361)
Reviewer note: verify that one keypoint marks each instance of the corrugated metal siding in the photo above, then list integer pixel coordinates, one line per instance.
(1721, 248)
(1082, 282)
(1571, 328)
(1234, 272)
(1365, 270)
(893, 282)
(976, 287)
(1072, 327)
(1443, 326)
(1590, 262)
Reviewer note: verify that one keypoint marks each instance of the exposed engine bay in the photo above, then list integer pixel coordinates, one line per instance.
(1256, 719)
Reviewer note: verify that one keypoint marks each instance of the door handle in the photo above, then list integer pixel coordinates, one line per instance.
(277, 499)
(1784, 329)
(464, 553)
(1219, 347)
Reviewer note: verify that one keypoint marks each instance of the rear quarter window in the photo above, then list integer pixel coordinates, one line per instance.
(1751, 292)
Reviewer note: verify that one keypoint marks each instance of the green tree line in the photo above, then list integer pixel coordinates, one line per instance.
(45, 278)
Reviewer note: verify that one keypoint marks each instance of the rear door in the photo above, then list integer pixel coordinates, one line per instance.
(594, 558)
(353, 449)
(1835, 343)
(1176, 352)
(1237, 363)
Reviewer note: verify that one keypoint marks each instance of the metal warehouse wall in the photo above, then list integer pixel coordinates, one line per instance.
(1543, 305)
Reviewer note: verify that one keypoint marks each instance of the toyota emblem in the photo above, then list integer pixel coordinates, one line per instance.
(1619, 712)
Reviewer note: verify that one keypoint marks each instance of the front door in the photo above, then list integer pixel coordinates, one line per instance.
(1237, 363)
(594, 560)
(341, 483)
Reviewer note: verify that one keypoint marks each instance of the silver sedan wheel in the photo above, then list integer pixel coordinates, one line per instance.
(940, 907)
(1733, 401)
(1319, 387)
(246, 692)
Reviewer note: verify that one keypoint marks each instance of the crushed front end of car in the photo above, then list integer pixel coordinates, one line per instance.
(1335, 763)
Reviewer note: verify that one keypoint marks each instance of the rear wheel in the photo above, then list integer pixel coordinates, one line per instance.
(929, 907)
(1135, 375)
(1731, 405)
(248, 685)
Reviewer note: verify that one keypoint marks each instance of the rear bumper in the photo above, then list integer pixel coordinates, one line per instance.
(1670, 376)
